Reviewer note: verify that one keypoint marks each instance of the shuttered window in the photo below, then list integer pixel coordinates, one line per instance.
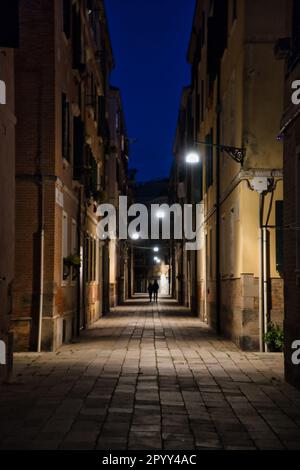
(65, 127)
(92, 172)
(9, 24)
(203, 29)
(76, 38)
(65, 251)
(279, 236)
(78, 148)
(296, 27)
(297, 209)
(209, 160)
(234, 10)
(101, 115)
(67, 18)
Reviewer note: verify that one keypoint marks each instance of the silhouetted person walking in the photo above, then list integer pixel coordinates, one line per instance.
(150, 290)
(155, 290)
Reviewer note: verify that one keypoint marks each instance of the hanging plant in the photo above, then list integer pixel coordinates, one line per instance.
(73, 260)
(99, 196)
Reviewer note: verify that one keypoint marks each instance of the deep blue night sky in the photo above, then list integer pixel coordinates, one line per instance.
(150, 40)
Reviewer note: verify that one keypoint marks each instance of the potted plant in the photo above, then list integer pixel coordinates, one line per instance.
(274, 338)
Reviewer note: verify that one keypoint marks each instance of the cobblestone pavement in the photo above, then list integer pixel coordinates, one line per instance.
(149, 377)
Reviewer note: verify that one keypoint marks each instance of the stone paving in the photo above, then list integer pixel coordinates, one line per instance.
(149, 377)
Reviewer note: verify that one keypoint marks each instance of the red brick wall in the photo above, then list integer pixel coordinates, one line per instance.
(43, 73)
(7, 190)
(34, 87)
(240, 309)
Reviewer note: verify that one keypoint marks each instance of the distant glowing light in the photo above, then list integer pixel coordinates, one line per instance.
(135, 236)
(156, 249)
(192, 158)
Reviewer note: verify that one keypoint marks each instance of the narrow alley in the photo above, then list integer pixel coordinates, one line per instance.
(149, 376)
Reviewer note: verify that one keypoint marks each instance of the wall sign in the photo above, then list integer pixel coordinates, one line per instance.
(296, 93)
(2, 353)
(2, 92)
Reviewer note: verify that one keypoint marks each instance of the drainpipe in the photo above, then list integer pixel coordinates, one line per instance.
(42, 253)
(80, 273)
(265, 279)
(261, 274)
(39, 162)
(218, 271)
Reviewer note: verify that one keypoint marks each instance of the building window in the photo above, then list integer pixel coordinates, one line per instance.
(65, 247)
(74, 248)
(296, 28)
(197, 107)
(211, 250)
(202, 101)
(223, 246)
(91, 255)
(203, 29)
(209, 160)
(65, 127)
(199, 182)
(74, 240)
(297, 195)
(234, 10)
(101, 115)
(76, 38)
(98, 252)
(78, 147)
(232, 241)
(9, 24)
(65, 235)
(279, 235)
(92, 185)
(90, 258)
(96, 249)
(67, 18)
(86, 259)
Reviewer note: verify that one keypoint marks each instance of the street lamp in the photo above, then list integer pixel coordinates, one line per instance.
(156, 249)
(236, 153)
(192, 158)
